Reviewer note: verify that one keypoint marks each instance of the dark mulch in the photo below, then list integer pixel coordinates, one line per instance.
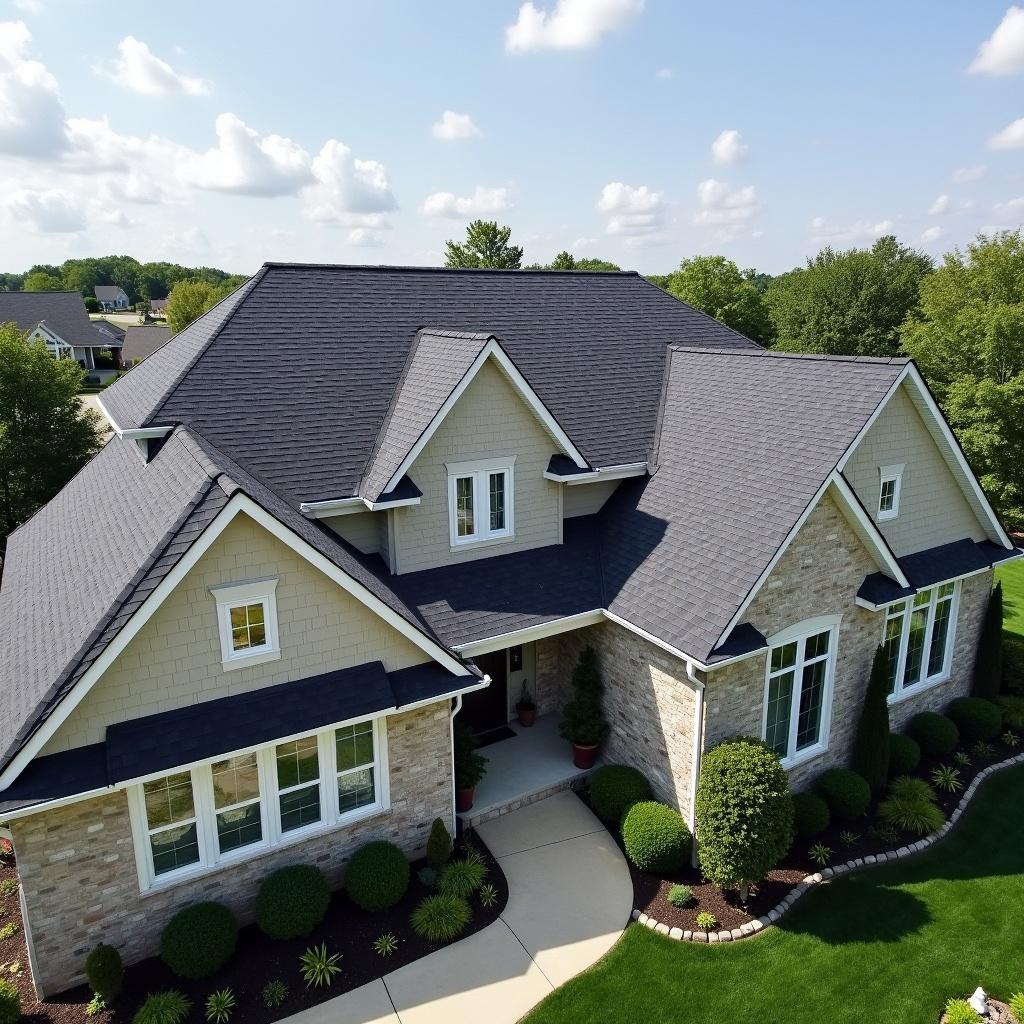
(845, 840)
(257, 960)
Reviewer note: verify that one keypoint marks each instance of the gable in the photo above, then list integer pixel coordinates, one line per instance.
(175, 658)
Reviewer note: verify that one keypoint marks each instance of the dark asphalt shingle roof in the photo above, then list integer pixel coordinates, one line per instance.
(140, 342)
(109, 292)
(63, 312)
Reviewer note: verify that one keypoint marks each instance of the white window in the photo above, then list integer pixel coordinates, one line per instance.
(798, 692)
(918, 638)
(247, 620)
(480, 500)
(192, 820)
(889, 491)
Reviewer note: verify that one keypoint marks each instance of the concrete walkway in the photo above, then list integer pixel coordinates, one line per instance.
(569, 899)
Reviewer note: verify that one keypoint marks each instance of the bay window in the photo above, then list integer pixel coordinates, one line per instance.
(918, 638)
(480, 500)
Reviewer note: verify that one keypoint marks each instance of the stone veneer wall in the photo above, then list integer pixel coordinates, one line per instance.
(80, 883)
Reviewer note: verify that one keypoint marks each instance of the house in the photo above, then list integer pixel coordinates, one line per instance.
(59, 320)
(111, 297)
(466, 478)
(111, 330)
(140, 342)
(158, 307)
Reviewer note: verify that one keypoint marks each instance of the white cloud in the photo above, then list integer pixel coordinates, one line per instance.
(139, 69)
(454, 126)
(32, 119)
(49, 211)
(29, 6)
(364, 238)
(1011, 137)
(1011, 205)
(665, 74)
(348, 192)
(634, 211)
(722, 204)
(965, 174)
(932, 234)
(571, 25)
(482, 202)
(1003, 52)
(941, 205)
(858, 231)
(729, 147)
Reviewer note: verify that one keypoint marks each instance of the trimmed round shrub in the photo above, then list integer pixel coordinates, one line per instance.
(199, 940)
(845, 792)
(10, 1003)
(744, 813)
(681, 896)
(292, 901)
(976, 718)
(1012, 708)
(104, 972)
(904, 755)
(936, 735)
(440, 918)
(615, 788)
(656, 837)
(811, 815)
(377, 876)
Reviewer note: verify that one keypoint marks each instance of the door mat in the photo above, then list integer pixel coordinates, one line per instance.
(503, 732)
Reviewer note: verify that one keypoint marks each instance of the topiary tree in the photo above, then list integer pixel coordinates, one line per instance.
(988, 662)
(104, 972)
(439, 845)
(744, 813)
(871, 745)
(583, 721)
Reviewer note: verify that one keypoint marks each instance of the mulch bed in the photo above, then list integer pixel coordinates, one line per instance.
(346, 929)
(650, 892)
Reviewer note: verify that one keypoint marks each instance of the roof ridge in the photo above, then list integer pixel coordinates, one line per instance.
(390, 267)
(775, 354)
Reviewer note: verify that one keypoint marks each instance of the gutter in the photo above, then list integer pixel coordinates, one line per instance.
(346, 506)
(628, 469)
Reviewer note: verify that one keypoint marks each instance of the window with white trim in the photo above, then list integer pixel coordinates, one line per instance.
(798, 692)
(890, 485)
(918, 638)
(480, 500)
(247, 621)
(192, 820)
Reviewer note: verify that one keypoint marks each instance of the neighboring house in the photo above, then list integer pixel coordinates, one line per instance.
(158, 307)
(110, 330)
(140, 342)
(111, 297)
(60, 321)
(464, 479)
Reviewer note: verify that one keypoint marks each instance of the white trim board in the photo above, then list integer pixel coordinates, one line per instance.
(622, 472)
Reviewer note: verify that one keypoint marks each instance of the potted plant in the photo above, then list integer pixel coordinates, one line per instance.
(583, 723)
(470, 767)
(526, 709)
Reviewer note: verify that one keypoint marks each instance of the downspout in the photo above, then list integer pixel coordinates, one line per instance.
(698, 742)
(456, 708)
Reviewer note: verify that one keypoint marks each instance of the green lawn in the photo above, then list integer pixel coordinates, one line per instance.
(1012, 577)
(884, 945)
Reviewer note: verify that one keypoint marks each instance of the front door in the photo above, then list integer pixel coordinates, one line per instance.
(487, 709)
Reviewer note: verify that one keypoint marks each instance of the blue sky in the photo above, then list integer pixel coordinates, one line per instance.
(230, 133)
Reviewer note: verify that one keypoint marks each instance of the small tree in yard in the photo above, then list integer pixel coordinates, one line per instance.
(744, 813)
(988, 662)
(871, 747)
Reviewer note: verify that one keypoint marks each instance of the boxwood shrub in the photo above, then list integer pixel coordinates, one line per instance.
(292, 901)
(614, 788)
(199, 940)
(656, 837)
(936, 735)
(904, 755)
(811, 815)
(1012, 708)
(104, 972)
(976, 718)
(377, 876)
(846, 793)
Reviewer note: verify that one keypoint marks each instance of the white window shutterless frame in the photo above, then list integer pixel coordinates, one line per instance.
(918, 638)
(481, 501)
(247, 623)
(889, 490)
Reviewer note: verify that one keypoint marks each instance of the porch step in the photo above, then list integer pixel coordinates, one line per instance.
(478, 815)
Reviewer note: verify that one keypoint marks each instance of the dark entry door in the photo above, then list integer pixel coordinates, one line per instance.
(488, 708)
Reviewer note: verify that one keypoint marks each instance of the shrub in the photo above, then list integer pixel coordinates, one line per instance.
(845, 792)
(95, 1006)
(440, 918)
(982, 750)
(274, 993)
(292, 901)
(680, 896)
(848, 838)
(220, 1005)
(908, 788)
(946, 778)
(871, 744)
(936, 735)
(1010, 738)
(169, 1007)
(904, 754)
(959, 1011)
(988, 661)
(820, 853)
(199, 940)
(8, 887)
(1012, 708)
(706, 921)
(615, 788)
(810, 815)
(977, 719)
(656, 837)
(911, 807)
(744, 813)
(463, 877)
(439, 845)
(1017, 1005)
(469, 766)
(10, 1003)
(104, 972)
(427, 877)
(318, 967)
(488, 895)
(583, 721)
(8, 930)
(377, 876)
(386, 944)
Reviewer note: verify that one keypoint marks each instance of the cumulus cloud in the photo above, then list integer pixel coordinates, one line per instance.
(364, 238)
(634, 211)
(720, 203)
(348, 192)
(729, 147)
(665, 74)
(940, 205)
(1003, 52)
(1015, 206)
(48, 211)
(932, 234)
(32, 118)
(1011, 137)
(482, 202)
(965, 174)
(139, 69)
(29, 6)
(570, 25)
(862, 230)
(453, 126)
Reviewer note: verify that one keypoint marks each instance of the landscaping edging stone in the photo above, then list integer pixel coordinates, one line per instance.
(752, 928)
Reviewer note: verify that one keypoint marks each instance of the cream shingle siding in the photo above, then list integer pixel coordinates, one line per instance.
(489, 421)
(586, 499)
(175, 659)
(361, 529)
(933, 509)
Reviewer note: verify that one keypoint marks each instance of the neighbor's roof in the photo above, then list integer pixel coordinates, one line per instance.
(140, 342)
(64, 313)
(109, 292)
(108, 325)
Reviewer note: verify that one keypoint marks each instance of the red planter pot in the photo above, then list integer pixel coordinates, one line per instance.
(464, 799)
(584, 756)
(527, 716)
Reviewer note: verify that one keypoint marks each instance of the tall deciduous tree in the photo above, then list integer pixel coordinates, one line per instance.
(45, 434)
(848, 303)
(189, 300)
(486, 246)
(871, 745)
(41, 281)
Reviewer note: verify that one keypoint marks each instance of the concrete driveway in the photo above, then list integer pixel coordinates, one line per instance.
(569, 899)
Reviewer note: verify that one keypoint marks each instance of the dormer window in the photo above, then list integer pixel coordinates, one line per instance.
(247, 620)
(480, 501)
(889, 492)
